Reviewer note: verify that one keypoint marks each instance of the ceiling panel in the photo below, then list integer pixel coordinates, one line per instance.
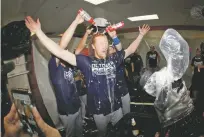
(57, 15)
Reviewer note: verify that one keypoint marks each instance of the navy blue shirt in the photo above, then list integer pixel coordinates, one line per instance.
(68, 101)
(100, 75)
(197, 60)
(121, 85)
(152, 58)
(137, 62)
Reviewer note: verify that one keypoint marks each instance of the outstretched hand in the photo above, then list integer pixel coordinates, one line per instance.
(112, 34)
(199, 66)
(89, 30)
(79, 19)
(12, 123)
(145, 28)
(32, 25)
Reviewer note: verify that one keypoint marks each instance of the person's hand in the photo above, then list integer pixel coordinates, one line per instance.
(145, 28)
(89, 30)
(12, 123)
(112, 34)
(32, 25)
(199, 66)
(46, 129)
(79, 19)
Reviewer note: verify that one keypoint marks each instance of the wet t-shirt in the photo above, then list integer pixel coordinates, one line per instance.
(197, 60)
(100, 76)
(68, 101)
(80, 83)
(121, 85)
(152, 59)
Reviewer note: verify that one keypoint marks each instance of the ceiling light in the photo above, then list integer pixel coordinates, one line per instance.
(145, 17)
(96, 2)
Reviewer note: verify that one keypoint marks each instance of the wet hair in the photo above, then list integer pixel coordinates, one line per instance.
(94, 36)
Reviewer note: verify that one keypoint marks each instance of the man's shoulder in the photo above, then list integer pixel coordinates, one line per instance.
(80, 56)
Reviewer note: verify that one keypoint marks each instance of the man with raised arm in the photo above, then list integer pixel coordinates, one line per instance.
(62, 78)
(121, 85)
(99, 72)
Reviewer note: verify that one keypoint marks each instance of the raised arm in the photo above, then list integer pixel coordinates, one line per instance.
(66, 37)
(82, 42)
(134, 45)
(116, 41)
(69, 33)
(54, 48)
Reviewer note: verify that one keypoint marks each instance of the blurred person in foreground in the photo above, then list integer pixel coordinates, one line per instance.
(13, 125)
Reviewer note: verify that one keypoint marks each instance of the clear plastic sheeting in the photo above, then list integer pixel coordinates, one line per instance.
(144, 77)
(15, 40)
(172, 97)
(176, 51)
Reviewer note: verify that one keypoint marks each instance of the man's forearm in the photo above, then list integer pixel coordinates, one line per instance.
(118, 46)
(82, 43)
(134, 45)
(68, 35)
(49, 44)
(202, 66)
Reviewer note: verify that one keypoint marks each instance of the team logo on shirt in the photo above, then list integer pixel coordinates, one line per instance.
(69, 76)
(153, 56)
(198, 63)
(104, 69)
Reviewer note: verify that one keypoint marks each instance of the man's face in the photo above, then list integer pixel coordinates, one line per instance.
(100, 46)
(152, 48)
(198, 53)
